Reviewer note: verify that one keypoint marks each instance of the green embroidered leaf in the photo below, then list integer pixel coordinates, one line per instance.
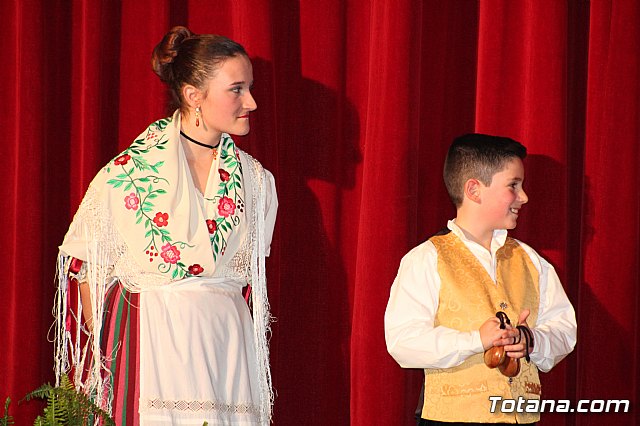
(128, 186)
(161, 191)
(144, 179)
(148, 233)
(152, 195)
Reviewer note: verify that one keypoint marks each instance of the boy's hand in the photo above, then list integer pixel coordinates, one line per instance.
(490, 333)
(515, 341)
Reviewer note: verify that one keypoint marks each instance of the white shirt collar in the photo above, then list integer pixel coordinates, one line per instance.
(497, 240)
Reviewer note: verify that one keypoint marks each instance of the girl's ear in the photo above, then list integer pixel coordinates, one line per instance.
(191, 95)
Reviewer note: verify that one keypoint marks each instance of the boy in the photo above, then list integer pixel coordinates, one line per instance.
(441, 314)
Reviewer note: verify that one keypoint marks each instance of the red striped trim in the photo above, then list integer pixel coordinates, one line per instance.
(121, 331)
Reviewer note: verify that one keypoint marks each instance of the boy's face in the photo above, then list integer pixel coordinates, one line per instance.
(502, 200)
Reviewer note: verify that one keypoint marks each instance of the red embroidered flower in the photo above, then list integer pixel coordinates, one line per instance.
(131, 201)
(122, 160)
(170, 253)
(161, 219)
(151, 135)
(226, 207)
(224, 175)
(211, 225)
(195, 269)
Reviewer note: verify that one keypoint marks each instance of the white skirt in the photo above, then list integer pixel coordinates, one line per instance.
(197, 355)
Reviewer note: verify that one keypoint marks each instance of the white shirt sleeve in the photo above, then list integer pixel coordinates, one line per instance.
(555, 332)
(412, 340)
(271, 210)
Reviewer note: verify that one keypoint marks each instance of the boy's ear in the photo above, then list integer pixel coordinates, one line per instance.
(472, 189)
(191, 95)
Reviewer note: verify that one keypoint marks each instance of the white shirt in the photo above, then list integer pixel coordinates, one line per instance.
(414, 342)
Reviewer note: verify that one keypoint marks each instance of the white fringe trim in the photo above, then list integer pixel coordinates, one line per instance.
(261, 313)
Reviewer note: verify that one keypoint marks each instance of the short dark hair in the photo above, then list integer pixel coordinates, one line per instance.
(183, 57)
(477, 156)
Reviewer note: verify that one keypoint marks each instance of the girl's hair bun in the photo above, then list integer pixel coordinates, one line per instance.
(165, 52)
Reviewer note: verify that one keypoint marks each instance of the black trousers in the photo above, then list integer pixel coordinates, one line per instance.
(425, 422)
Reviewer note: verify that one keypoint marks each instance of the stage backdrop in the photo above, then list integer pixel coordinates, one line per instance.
(357, 102)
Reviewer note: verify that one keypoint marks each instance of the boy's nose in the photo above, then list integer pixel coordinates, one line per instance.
(523, 197)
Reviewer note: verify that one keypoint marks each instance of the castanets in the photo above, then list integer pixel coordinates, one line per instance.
(496, 356)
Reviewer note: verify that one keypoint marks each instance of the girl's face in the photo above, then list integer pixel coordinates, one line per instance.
(228, 101)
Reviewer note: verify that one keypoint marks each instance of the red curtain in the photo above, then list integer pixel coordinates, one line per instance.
(357, 103)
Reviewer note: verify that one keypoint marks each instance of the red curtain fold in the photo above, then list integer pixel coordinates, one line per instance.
(357, 103)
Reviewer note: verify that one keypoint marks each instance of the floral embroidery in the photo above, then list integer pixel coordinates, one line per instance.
(226, 207)
(142, 183)
(122, 160)
(131, 201)
(195, 269)
(228, 198)
(144, 178)
(224, 175)
(170, 253)
(161, 219)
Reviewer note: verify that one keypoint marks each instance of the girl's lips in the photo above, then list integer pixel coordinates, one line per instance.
(244, 116)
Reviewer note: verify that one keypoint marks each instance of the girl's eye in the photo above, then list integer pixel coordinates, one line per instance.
(236, 89)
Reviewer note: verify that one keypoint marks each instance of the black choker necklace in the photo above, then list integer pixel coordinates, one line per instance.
(199, 143)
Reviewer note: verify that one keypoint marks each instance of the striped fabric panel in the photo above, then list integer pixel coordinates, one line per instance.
(120, 345)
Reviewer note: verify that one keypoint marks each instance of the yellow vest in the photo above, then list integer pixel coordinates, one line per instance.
(468, 297)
